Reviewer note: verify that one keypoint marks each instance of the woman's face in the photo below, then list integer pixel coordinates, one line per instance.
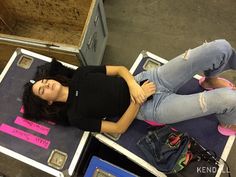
(48, 90)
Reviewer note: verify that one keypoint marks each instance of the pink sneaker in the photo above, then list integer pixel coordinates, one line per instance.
(226, 131)
(202, 79)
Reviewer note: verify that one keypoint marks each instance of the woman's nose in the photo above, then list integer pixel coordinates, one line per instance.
(47, 85)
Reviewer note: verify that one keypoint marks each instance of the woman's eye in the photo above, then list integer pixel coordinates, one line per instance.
(44, 81)
(41, 90)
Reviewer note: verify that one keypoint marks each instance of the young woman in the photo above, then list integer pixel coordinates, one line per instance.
(95, 92)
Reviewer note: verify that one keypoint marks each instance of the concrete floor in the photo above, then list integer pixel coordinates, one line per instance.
(164, 27)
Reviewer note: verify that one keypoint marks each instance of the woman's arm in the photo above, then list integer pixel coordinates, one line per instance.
(136, 92)
(127, 118)
(123, 123)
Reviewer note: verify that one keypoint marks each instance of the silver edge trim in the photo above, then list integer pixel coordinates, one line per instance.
(78, 153)
(9, 63)
(42, 45)
(45, 58)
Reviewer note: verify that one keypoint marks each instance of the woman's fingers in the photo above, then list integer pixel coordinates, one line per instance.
(151, 85)
(149, 88)
(137, 93)
(133, 100)
(141, 100)
(140, 96)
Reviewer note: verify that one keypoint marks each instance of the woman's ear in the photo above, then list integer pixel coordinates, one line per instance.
(50, 102)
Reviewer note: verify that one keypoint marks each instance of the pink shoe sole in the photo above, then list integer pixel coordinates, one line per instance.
(226, 131)
(202, 79)
(152, 123)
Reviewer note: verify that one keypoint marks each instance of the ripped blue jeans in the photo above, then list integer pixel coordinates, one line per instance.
(168, 107)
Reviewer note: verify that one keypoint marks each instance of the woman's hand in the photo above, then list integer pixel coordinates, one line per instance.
(136, 92)
(149, 88)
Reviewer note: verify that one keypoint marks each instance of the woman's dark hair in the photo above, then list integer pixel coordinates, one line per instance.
(36, 108)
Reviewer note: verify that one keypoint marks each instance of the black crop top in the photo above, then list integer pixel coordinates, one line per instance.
(93, 95)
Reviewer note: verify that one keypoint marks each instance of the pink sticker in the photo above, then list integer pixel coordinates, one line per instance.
(32, 125)
(25, 136)
(22, 109)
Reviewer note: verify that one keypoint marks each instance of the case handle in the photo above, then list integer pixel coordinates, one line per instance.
(96, 20)
(92, 43)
